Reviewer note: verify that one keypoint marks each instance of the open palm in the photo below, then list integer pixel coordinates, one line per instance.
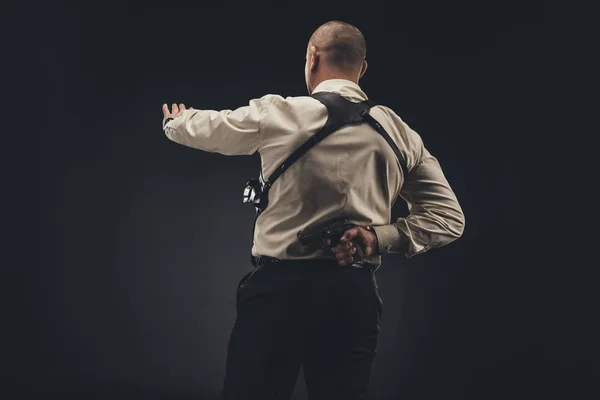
(176, 110)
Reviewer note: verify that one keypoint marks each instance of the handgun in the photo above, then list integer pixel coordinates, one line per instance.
(333, 230)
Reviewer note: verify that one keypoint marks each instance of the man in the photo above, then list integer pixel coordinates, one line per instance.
(301, 308)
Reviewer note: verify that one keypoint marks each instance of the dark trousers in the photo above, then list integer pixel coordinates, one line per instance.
(311, 314)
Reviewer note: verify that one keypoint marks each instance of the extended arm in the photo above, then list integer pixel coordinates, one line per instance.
(229, 132)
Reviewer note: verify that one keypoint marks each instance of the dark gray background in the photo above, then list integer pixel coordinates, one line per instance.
(143, 241)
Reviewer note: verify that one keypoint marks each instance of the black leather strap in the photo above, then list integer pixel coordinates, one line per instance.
(370, 103)
(377, 126)
(340, 112)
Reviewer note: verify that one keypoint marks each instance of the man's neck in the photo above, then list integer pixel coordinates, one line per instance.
(325, 76)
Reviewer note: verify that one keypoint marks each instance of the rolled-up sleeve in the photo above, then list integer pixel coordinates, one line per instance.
(436, 218)
(228, 132)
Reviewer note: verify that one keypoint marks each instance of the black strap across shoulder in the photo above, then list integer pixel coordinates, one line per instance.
(340, 112)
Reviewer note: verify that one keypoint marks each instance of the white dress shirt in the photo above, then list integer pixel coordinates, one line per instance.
(352, 172)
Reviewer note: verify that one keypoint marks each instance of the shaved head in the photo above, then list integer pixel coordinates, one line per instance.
(342, 44)
(336, 50)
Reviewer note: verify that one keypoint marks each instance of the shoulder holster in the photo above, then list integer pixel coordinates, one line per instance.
(340, 112)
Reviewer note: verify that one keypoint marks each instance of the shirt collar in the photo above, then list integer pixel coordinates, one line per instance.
(344, 87)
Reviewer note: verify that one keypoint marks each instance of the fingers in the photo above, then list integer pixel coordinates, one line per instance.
(344, 253)
(342, 247)
(176, 110)
(346, 261)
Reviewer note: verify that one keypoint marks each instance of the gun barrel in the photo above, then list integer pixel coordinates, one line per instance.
(309, 238)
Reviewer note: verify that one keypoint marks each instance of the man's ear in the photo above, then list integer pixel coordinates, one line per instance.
(314, 58)
(363, 69)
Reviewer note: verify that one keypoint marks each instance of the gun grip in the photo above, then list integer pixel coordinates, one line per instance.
(359, 254)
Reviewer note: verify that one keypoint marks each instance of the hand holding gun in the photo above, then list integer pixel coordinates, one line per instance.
(349, 242)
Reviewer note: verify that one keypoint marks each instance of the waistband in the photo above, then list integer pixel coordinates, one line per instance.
(260, 261)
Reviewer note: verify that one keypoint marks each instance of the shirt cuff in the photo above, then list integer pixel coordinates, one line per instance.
(166, 121)
(389, 238)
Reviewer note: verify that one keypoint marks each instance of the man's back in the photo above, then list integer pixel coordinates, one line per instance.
(353, 171)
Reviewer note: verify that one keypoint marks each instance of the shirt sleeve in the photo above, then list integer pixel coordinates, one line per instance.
(436, 218)
(228, 132)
